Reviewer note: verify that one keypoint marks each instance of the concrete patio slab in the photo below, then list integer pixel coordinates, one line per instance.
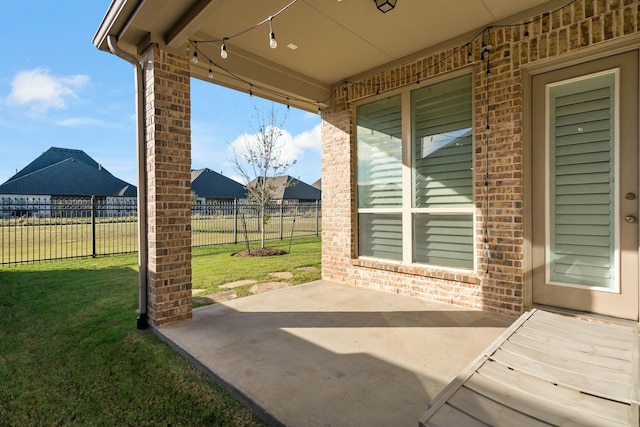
(216, 297)
(268, 286)
(328, 354)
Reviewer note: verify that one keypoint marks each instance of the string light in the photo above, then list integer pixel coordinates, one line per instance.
(272, 37)
(194, 58)
(484, 52)
(210, 69)
(223, 50)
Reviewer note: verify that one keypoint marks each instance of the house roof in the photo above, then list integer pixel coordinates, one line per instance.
(334, 40)
(290, 188)
(66, 172)
(210, 184)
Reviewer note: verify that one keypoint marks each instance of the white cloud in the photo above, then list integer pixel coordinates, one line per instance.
(41, 91)
(291, 147)
(81, 121)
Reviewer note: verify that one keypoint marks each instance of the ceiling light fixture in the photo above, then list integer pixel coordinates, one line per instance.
(385, 6)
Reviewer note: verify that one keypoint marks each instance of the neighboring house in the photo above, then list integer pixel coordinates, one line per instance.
(537, 205)
(209, 186)
(60, 176)
(318, 184)
(288, 189)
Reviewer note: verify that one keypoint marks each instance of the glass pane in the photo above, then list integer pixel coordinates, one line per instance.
(443, 240)
(379, 153)
(582, 181)
(442, 144)
(380, 235)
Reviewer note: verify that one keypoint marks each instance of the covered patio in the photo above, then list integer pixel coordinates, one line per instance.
(327, 354)
(437, 164)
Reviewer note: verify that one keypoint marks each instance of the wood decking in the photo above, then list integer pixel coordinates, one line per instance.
(547, 369)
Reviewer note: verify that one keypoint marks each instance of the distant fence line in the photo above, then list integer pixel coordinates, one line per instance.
(42, 229)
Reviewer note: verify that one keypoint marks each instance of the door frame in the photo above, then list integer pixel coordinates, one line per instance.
(591, 53)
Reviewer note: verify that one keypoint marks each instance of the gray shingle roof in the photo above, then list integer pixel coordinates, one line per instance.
(290, 188)
(66, 172)
(209, 184)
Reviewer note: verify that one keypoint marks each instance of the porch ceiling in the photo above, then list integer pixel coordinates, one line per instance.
(335, 39)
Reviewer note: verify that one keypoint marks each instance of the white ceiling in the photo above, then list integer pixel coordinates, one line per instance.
(336, 39)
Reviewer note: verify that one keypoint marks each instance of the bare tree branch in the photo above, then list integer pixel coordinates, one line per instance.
(259, 165)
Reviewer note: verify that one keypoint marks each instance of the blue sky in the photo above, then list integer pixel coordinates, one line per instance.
(58, 90)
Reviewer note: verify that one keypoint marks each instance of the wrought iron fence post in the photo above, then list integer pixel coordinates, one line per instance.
(235, 221)
(281, 220)
(93, 226)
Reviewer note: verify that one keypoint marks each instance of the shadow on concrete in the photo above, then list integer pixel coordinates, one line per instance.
(343, 357)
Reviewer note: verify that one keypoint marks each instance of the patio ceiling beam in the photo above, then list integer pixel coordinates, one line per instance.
(189, 23)
(245, 71)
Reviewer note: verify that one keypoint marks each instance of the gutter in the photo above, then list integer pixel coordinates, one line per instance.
(143, 243)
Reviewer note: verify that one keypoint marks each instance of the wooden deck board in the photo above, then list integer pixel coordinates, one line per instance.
(523, 405)
(614, 371)
(549, 369)
(490, 411)
(575, 343)
(532, 387)
(564, 351)
(568, 327)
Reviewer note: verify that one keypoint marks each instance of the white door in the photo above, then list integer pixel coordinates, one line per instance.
(585, 187)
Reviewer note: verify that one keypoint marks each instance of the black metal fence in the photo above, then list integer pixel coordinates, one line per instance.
(43, 229)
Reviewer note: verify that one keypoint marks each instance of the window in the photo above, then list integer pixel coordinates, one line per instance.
(422, 213)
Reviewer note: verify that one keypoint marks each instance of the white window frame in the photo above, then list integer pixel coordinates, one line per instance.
(407, 210)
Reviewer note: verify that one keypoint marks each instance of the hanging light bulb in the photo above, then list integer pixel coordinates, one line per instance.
(194, 58)
(223, 51)
(210, 70)
(272, 37)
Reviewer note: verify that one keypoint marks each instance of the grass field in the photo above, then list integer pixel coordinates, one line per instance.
(38, 239)
(70, 353)
(304, 253)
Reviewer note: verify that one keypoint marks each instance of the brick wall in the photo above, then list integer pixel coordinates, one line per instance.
(168, 169)
(499, 284)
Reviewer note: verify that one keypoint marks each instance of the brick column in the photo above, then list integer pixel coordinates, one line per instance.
(168, 163)
(338, 192)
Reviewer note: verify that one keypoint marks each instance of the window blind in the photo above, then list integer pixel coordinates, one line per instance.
(442, 149)
(445, 240)
(379, 153)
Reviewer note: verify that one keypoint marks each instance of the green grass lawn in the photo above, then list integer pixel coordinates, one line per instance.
(214, 266)
(70, 353)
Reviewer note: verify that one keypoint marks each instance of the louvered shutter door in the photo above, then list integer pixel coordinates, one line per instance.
(582, 181)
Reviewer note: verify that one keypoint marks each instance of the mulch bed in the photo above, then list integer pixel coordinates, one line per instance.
(260, 252)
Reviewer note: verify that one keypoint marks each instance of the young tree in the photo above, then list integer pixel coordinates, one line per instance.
(259, 162)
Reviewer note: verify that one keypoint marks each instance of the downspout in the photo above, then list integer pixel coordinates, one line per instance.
(141, 322)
